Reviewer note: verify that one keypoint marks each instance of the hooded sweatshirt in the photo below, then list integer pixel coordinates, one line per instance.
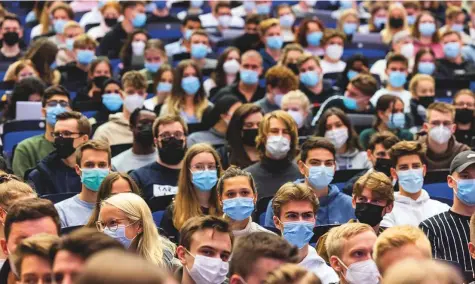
(407, 211)
(352, 160)
(314, 263)
(436, 161)
(116, 131)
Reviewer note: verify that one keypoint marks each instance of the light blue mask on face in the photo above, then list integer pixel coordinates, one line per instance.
(190, 85)
(314, 38)
(457, 28)
(152, 67)
(346, 4)
(412, 180)
(199, 50)
(397, 79)
(309, 78)
(119, 235)
(396, 120)
(466, 191)
(263, 9)
(139, 20)
(427, 29)
(249, 77)
(92, 178)
(205, 180)
(350, 28)
(411, 19)
(275, 42)
(52, 112)
(59, 26)
(188, 34)
(164, 87)
(70, 44)
(85, 57)
(351, 74)
(320, 177)
(379, 22)
(427, 68)
(350, 103)
(451, 49)
(239, 208)
(112, 102)
(298, 233)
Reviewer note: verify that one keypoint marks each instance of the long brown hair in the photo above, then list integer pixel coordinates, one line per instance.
(186, 204)
(219, 76)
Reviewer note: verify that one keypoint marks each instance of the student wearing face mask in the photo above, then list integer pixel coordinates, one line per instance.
(56, 173)
(287, 20)
(464, 102)
(333, 43)
(353, 268)
(134, 18)
(455, 21)
(133, 50)
(439, 229)
(226, 72)
(276, 143)
(348, 23)
(295, 207)
(309, 36)
(127, 218)
(389, 117)
(424, 62)
(355, 65)
(154, 57)
(196, 194)
(189, 24)
(237, 196)
(412, 203)
(279, 81)
(377, 21)
(336, 126)
(66, 54)
(160, 177)
(143, 151)
(422, 88)
(426, 34)
(200, 48)
(110, 14)
(271, 35)
(452, 64)
(12, 33)
(110, 102)
(297, 105)
(204, 251)
(93, 165)
(439, 128)
(99, 72)
(217, 120)
(61, 13)
(117, 129)
(396, 22)
(317, 165)
(162, 85)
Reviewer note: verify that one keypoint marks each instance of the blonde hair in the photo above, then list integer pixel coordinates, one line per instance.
(337, 237)
(186, 204)
(412, 271)
(291, 274)
(265, 25)
(288, 48)
(415, 81)
(84, 41)
(440, 107)
(387, 34)
(399, 236)
(17, 67)
(298, 96)
(344, 15)
(293, 192)
(38, 245)
(72, 24)
(12, 189)
(379, 184)
(150, 244)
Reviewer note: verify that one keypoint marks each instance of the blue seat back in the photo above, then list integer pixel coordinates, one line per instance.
(157, 217)
(440, 189)
(16, 131)
(261, 208)
(165, 31)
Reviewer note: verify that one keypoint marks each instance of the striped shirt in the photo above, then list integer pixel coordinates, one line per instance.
(449, 235)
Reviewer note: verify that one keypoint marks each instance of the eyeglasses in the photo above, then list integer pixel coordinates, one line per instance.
(167, 135)
(55, 103)
(113, 225)
(65, 134)
(203, 167)
(464, 104)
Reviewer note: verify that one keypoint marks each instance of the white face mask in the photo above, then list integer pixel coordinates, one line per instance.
(231, 67)
(297, 116)
(334, 51)
(440, 134)
(208, 270)
(138, 48)
(362, 272)
(277, 146)
(408, 50)
(337, 136)
(131, 102)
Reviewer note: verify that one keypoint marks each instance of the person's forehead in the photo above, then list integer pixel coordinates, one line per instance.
(465, 98)
(110, 212)
(379, 147)
(199, 37)
(67, 124)
(66, 260)
(364, 240)
(94, 155)
(10, 23)
(297, 206)
(211, 238)
(29, 228)
(146, 115)
(409, 159)
(319, 154)
(172, 127)
(292, 103)
(437, 115)
(204, 157)
(236, 183)
(277, 123)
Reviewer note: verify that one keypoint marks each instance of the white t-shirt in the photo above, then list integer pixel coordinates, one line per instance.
(404, 95)
(329, 67)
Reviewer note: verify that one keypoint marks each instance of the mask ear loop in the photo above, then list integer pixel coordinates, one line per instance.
(344, 265)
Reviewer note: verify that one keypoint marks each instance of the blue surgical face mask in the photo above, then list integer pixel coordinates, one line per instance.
(263, 9)
(199, 50)
(287, 21)
(427, 68)
(190, 85)
(411, 19)
(396, 120)
(314, 38)
(319, 177)
(457, 27)
(70, 44)
(275, 42)
(119, 235)
(350, 103)
(196, 3)
(152, 67)
(188, 34)
(379, 22)
(139, 20)
(249, 77)
(351, 74)
(85, 57)
(427, 29)
(298, 233)
(164, 87)
(309, 78)
(52, 112)
(59, 26)
(451, 49)
(346, 4)
(93, 177)
(350, 28)
(204, 180)
(397, 79)
(112, 102)
(411, 180)
(466, 191)
(239, 208)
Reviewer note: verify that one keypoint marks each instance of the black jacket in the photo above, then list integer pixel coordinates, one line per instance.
(112, 42)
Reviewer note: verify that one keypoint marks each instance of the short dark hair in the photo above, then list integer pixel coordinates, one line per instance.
(249, 249)
(97, 145)
(127, 4)
(30, 209)
(201, 223)
(365, 83)
(397, 57)
(253, 19)
(167, 119)
(235, 172)
(84, 126)
(314, 142)
(10, 17)
(406, 148)
(134, 116)
(55, 91)
(388, 139)
(221, 5)
(84, 243)
(191, 18)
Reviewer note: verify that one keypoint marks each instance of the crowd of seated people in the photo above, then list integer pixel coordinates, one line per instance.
(257, 141)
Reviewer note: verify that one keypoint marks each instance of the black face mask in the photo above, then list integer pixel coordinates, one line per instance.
(293, 67)
(369, 213)
(426, 101)
(110, 22)
(64, 146)
(249, 137)
(463, 115)
(144, 135)
(11, 38)
(172, 151)
(396, 23)
(99, 81)
(384, 166)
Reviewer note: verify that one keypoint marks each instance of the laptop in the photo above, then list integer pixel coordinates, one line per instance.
(28, 111)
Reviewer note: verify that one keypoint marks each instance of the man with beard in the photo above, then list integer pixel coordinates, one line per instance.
(161, 177)
(11, 31)
(143, 151)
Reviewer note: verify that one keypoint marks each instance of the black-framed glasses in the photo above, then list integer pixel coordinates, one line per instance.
(113, 225)
(167, 135)
(54, 103)
(65, 134)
